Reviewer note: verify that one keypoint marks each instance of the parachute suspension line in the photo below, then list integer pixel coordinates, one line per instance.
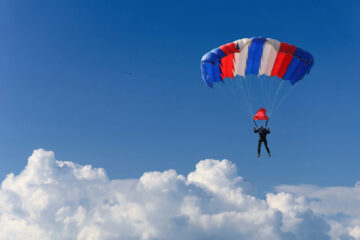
(271, 90)
(252, 84)
(265, 87)
(245, 79)
(285, 96)
(223, 91)
(248, 94)
(239, 83)
(230, 93)
(268, 91)
(234, 92)
(263, 90)
(263, 83)
(246, 87)
(276, 96)
(255, 123)
(272, 84)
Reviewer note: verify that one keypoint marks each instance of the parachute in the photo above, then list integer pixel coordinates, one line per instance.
(261, 71)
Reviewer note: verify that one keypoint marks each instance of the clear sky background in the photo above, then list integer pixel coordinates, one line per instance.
(117, 84)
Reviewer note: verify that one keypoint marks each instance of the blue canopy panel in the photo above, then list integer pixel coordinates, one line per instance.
(294, 64)
(306, 62)
(310, 60)
(212, 73)
(300, 65)
(254, 55)
(210, 68)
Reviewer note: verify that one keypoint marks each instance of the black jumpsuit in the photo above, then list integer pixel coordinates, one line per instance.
(262, 137)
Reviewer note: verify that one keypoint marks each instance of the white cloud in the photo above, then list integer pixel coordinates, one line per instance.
(53, 200)
(340, 206)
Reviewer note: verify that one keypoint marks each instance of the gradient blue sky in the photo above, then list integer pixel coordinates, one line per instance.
(117, 84)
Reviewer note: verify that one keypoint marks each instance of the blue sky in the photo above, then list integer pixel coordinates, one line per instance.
(118, 85)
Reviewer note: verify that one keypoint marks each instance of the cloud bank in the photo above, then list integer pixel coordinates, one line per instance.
(52, 200)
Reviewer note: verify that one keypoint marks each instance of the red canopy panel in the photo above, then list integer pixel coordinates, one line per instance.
(261, 115)
(229, 48)
(283, 59)
(227, 66)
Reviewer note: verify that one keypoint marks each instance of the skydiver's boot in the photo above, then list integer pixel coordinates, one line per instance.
(258, 154)
(269, 154)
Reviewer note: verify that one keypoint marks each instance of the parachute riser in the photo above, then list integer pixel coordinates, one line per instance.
(266, 124)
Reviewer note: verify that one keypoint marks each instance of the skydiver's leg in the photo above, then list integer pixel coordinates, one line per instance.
(259, 146)
(267, 148)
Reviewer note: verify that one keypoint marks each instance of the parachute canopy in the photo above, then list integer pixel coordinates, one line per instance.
(258, 56)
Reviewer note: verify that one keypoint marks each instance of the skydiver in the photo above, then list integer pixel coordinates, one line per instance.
(262, 138)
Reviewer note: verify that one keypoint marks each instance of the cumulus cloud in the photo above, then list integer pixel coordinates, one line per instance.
(53, 199)
(339, 205)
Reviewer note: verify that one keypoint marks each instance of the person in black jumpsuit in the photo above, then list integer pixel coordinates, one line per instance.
(262, 138)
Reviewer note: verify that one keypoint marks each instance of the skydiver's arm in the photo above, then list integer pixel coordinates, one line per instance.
(255, 130)
(268, 130)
